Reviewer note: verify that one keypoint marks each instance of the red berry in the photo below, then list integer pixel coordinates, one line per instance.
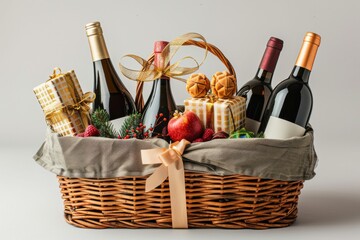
(119, 137)
(137, 129)
(220, 135)
(80, 135)
(140, 124)
(91, 131)
(161, 114)
(146, 134)
(165, 119)
(208, 134)
(198, 140)
(151, 129)
(134, 135)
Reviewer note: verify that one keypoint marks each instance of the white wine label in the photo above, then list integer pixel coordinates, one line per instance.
(252, 125)
(278, 128)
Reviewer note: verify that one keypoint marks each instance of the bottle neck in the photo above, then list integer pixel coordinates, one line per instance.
(307, 55)
(159, 62)
(306, 58)
(269, 59)
(98, 47)
(301, 73)
(264, 75)
(161, 87)
(268, 64)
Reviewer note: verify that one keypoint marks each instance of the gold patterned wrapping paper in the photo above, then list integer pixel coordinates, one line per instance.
(221, 115)
(63, 103)
(203, 108)
(229, 114)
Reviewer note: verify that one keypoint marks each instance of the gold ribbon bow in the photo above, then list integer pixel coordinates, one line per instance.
(172, 166)
(212, 97)
(149, 72)
(81, 104)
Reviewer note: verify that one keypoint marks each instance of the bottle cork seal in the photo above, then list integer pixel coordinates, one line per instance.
(198, 85)
(223, 84)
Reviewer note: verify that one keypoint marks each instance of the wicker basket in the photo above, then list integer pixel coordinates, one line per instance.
(213, 201)
(232, 201)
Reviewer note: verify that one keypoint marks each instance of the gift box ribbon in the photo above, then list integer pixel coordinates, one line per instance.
(81, 104)
(210, 99)
(210, 110)
(171, 166)
(150, 72)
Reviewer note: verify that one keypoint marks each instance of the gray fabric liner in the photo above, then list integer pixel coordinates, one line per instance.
(94, 157)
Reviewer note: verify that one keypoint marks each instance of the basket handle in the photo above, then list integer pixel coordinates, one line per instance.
(139, 99)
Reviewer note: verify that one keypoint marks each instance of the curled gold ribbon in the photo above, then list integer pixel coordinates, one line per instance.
(81, 104)
(212, 97)
(149, 72)
(172, 166)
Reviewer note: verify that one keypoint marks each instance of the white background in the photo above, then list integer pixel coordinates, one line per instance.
(39, 35)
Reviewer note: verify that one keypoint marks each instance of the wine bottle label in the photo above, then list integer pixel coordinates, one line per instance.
(278, 128)
(252, 125)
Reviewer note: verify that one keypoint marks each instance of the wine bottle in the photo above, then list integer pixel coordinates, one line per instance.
(111, 93)
(161, 100)
(258, 90)
(290, 105)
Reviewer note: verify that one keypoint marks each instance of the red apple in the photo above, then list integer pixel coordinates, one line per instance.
(185, 125)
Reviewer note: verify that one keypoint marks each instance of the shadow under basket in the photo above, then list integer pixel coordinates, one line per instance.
(232, 201)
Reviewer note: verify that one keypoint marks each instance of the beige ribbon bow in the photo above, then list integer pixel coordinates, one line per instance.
(172, 166)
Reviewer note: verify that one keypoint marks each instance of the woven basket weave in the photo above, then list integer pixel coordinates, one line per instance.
(232, 201)
(213, 201)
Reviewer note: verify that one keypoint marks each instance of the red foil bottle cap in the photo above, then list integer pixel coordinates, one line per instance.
(275, 43)
(159, 46)
(159, 58)
(271, 54)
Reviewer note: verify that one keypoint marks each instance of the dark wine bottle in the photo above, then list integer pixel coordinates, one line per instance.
(290, 105)
(161, 100)
(258, 90)
(111, 93)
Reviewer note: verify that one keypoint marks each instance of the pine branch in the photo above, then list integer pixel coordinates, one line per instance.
(130, 123)
(100, 118)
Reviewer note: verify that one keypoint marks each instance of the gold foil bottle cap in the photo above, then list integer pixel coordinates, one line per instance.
(308, 51)
(93, 28)
(96, 41)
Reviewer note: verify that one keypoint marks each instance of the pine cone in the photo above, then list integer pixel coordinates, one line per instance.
(198, 85)
(223, 84)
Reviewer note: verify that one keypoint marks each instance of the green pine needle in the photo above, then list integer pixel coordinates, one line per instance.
(100, 118)
(130, 123)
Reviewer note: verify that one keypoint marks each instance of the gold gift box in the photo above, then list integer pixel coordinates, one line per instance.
(229, 114)
(63, 103)
(225, 115)
(203, 108)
